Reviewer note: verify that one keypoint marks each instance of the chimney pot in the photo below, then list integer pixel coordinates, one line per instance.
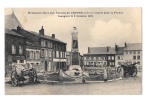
(18, 28)
(88, 50)
(116, 47)
(53, 35)
(125, 45)
(107, 49)
(41, 31)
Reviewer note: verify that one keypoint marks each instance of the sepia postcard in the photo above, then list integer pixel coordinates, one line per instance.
(73, 51)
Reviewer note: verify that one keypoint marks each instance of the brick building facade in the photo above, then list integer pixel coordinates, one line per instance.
(15, 45)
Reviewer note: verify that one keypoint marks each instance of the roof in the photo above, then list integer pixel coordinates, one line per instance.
(7, 31)
(120, 51)
(44, 36)
(101, 50)
(11, 22)
(133, 46)
(49, 37)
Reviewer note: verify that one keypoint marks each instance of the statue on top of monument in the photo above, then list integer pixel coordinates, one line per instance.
(74, 32)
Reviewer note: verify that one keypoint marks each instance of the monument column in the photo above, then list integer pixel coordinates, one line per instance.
(74, 48)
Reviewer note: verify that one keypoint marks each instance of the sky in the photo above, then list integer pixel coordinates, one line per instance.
(109, 27)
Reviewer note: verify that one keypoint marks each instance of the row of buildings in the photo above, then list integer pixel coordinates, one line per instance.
(22, 46)
(113, 56)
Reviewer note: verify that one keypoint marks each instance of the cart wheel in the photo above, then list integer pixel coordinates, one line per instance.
(134, 72)
(119, 69)
(33, 77)
(14, 80)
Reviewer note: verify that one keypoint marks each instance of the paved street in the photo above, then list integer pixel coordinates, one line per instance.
(130, 85)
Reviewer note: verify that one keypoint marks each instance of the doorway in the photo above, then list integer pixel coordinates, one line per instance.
(46, 66)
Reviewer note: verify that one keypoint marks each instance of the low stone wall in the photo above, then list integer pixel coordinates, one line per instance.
(98, 74)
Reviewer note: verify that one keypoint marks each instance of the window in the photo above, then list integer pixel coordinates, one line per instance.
(49, 44)
(53, 46)
(134, 52)
(54, 54)
(112, 63)
(46, 53)
(37, 55)
(99, 58)
(57, 54)
(104, 58)
(31, 54)
(94, 58)
(42, 43)
(105, 63)
(130, 52)
(34, 54)
(46, 44)
(13, 49)
(134, 57)
(61, 54)
(84, 58)
(138, 57)
(42, 52)
(89, 58)
(138, 52)
(64, 54)
(84, 62)
(50, 53)
(87, 63)
(109, 58)
(20, 50)
(59, 47)
(112, 57)
(56, 46)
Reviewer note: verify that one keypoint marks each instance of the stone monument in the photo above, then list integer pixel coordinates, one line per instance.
(74, 48)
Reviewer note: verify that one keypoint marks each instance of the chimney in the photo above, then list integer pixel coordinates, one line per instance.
(116, 47)
(107, 49)
(88, 50)
(53, 35)
(41, 32)
(125, 45)
(18, 28)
